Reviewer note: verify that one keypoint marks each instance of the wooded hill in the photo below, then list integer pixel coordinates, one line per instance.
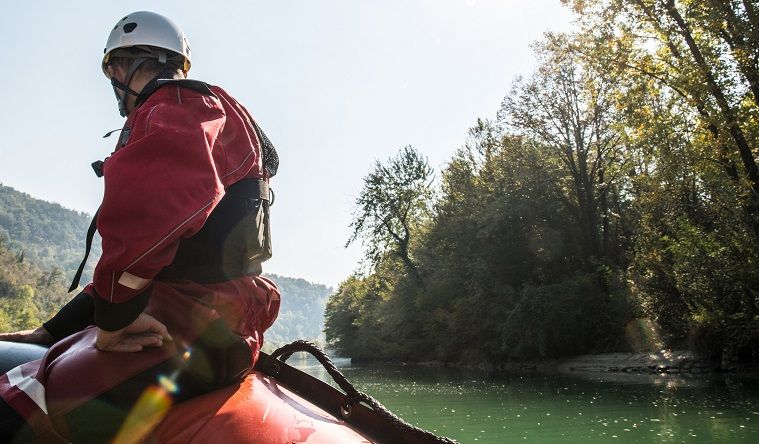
(612, 204)
(301, 314)
(42, 244)
(28, 295)
(46, 233)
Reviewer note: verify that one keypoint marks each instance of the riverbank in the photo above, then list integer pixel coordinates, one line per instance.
(662, 362)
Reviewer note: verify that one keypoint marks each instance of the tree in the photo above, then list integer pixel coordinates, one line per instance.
(351, 319)
(392, 207)
(20, 308)
(568, 108)
(686, 81)
(704, 51)
(26, 292)
(619, 181)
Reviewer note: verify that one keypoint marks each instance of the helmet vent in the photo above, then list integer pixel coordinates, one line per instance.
(129, 27)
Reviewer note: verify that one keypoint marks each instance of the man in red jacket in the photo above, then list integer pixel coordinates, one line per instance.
(185, 227)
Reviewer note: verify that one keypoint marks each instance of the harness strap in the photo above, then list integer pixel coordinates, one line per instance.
(164, 78)
(250, 189)
(88, 246)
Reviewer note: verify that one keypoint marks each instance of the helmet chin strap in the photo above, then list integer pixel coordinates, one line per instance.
(124, 87)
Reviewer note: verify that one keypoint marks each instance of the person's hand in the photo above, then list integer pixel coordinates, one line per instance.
(37, 336)
(145, 331)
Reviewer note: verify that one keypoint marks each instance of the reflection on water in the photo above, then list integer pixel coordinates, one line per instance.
(479, 407)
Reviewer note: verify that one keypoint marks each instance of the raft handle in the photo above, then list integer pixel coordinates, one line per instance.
(352, 396)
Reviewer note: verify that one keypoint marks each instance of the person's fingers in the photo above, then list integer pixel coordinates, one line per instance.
(149, 340)
(124, 348)
(145, 331)
(133, 343)
(146, 323)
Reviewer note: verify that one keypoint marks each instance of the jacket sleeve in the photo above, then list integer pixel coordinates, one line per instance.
(159, 187)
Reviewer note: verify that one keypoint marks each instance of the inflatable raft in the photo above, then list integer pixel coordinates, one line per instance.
(275, 403)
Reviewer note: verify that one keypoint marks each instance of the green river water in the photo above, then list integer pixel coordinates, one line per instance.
(479, 407)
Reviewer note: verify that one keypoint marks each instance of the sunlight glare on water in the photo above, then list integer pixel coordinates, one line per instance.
(478, 407)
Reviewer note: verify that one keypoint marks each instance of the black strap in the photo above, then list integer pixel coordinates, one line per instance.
(87, 248)
(164, 78)
(195, 85)
(263, 189)
(249, 189)
(97, 167)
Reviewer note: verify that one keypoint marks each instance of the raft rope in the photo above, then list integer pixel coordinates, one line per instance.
(353, 395)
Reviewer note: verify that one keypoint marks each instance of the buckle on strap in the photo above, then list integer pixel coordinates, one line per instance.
(250, 189)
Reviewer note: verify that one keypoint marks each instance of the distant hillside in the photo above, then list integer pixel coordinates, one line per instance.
(301, 314)
(38, 235)
(28, 295)
(49, 235)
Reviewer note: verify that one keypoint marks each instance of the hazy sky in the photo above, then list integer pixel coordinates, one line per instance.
(336, 85)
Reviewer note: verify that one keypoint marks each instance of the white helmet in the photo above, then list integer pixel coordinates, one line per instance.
(144, 28)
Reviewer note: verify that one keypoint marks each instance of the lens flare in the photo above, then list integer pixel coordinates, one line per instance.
(643, 336)
(168, 384)
(146, 414)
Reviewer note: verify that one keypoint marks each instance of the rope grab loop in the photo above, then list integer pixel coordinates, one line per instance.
(353, 395)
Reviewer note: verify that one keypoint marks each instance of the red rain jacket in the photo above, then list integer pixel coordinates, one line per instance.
(177, 154)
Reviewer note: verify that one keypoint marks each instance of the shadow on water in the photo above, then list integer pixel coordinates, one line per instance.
(485, 407)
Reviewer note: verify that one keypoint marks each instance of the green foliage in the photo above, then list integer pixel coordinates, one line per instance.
(570, 317)
(28, 295)
(35, 236)
(701, 285)
(391, 207)
(619, 182)
(502, 240)
(351, 325)
(687, 82)
(301, 313)
(45, 233)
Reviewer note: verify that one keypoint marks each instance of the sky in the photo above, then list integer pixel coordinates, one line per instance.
(335, 84)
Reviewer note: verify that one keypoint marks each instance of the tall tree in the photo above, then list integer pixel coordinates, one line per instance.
(568, 108)
(392, 206)
(707, 52)
(686, 81)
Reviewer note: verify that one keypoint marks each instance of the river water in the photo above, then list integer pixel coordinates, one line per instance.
(479, 407)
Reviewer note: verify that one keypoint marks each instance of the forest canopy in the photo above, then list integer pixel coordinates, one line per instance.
(616, 188)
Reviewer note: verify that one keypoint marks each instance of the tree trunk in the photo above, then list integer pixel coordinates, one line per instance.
(744, 53)
(749, 163)
(604, 213)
